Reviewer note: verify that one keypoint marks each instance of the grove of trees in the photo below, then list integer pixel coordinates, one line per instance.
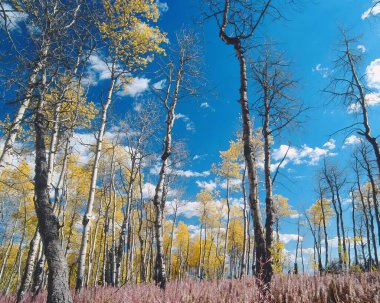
(90, 197)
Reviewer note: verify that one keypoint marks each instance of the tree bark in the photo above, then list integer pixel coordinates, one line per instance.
(243, 268)
(354, 228)
(58, 286)
(94, 177)
(269, 207)
(250, 161)
(324, 229)
(30, 87)
(29, 266)
(363, 104)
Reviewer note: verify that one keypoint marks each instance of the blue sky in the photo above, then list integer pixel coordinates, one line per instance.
(309, 36)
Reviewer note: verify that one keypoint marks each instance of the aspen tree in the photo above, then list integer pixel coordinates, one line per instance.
(131, 41)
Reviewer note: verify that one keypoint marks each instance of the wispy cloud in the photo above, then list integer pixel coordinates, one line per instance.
(362, 48)
(372, 11)
(323, 71)
(207, 106)
(190, 126)
(155, 170)
(98, 70)
(162, 6)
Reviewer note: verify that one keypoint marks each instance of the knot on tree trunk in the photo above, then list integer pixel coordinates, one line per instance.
(85, 220)
(165, 156)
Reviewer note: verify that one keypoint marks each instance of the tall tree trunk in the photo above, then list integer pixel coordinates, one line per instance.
(249, 156)
(250, 162)
(58, 280)
(341, 224)
(7, 252)
(297, 246)
(363, 105)
(269, 207)
(94, 177)
(366, 221)
(374, 188)
(29, 266)
(170, 271)
(92, 249)
(17, 263)
(39, 271)
(227, 227)
(30, 87)
(243, 268)
(354, 227)
(324, 228)
(372, 228)
(302, 262)
(158, 201)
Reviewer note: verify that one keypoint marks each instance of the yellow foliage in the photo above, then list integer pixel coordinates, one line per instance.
(127, 29)
(69, 99)
(236, 235)
(315, 211)
(279, 256)
(282, 208)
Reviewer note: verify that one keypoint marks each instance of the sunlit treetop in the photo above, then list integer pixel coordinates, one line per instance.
(127, 28)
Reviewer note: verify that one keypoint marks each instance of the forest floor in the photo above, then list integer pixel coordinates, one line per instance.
(363, 288)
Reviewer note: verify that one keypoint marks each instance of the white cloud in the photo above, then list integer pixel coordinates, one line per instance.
(305, 154)
(286, 238)
(353, 108)
(155, 170)
(208, 106)
(208, 185)
(372, 11)
(189, 209)
(362, 48)
(373, 74)
(308, 251)
(18, 152)
(333, 242)
(330, 144)
(296, 216)
(188, 123)
(372, 99)
(162, 6)
(199, 157)
(13, 18)
(181, 116)
(135, 88)
(323, 71)
(159, 85)
(137, 107)
(83, 142)
(97, 71)
(233, 183)
(148, 190)
(190, 126)
(190, 173)
(351, 140)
